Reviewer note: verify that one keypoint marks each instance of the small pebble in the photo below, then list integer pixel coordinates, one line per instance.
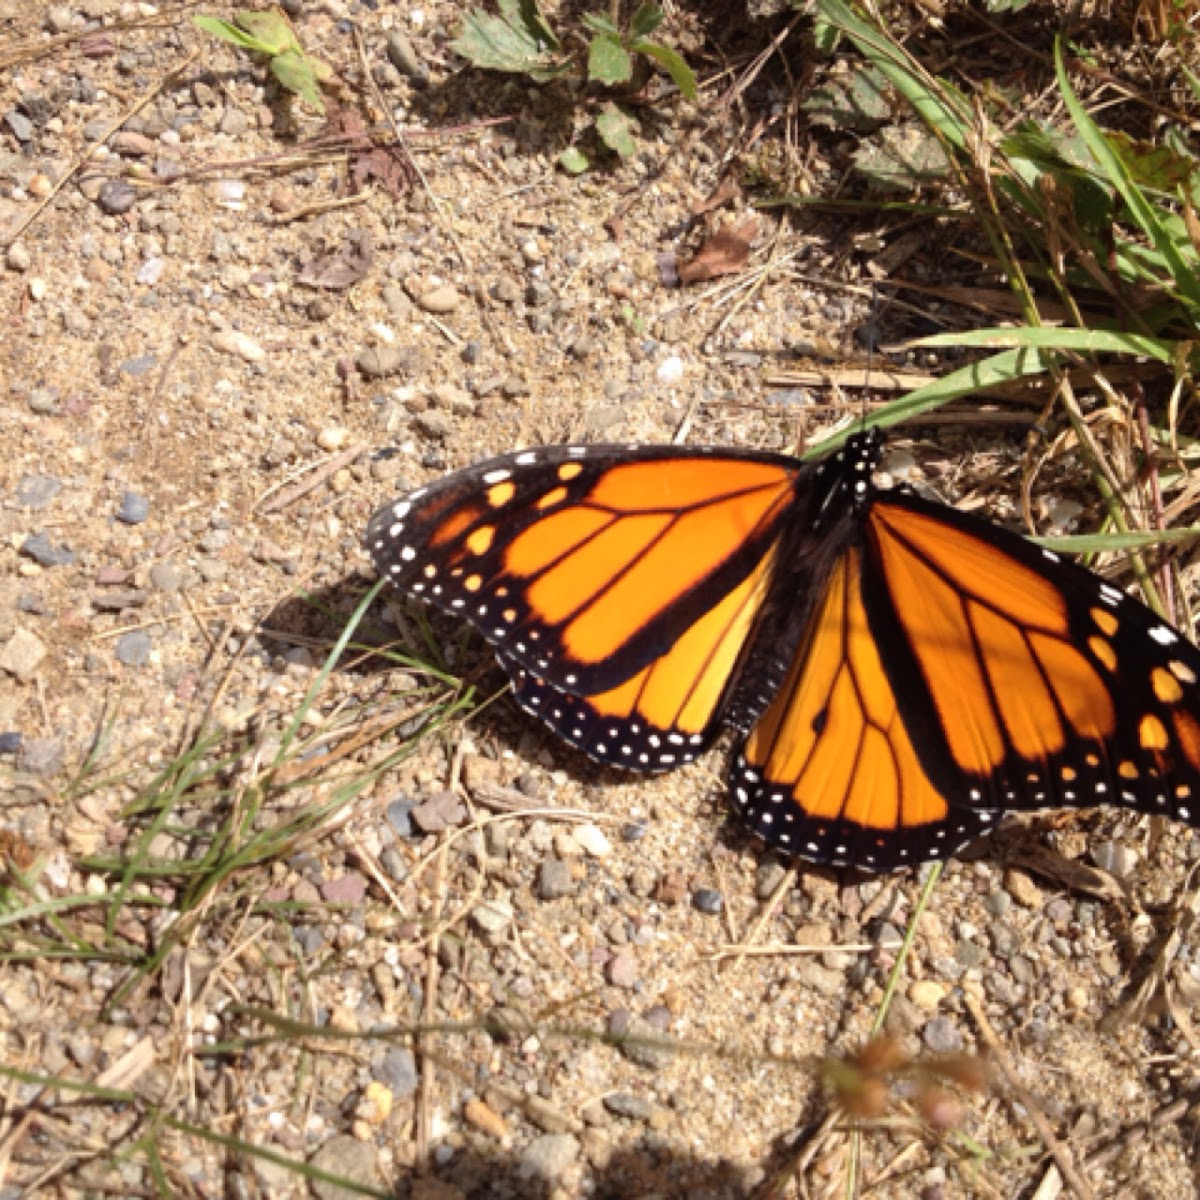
(670, 370)
(593, 840)
(116, 197)
(482, 1116)
(378, 361)
(398, 1071)
(555, 880)
(927, 994)
(493, 916)
(59, 18)
(444, 810)
(333, 438)
(135, 508)
(22, 654)
(404, 57)
(399, 816)
(548, 1157)
(10, 741)
(151, 271)
(166, 576)
(942, 1036)
(41, 756)
(133, 649)
(708, 900)
(350, 888)
(20, 125)
(644, 1045)
(18, 258)
(629, 1105)
(233, 341)
(36, 492)
(622, 969)
(44, 401)
(1115, 858)
(442, 299)
(347, 1158)
(39, 547)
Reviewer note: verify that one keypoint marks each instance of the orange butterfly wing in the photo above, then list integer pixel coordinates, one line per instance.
(620, 586)
(955, 671)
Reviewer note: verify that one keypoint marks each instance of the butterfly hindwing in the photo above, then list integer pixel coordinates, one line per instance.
(830, 772)
(1028, 681)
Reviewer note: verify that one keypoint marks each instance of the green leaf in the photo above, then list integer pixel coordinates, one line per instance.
(1049, 338)
(228, 32)
(825, 36)
(615, 130)
(574, 161)
(646, 20)
(601, 23)
(860, 101)
(1104, 543)
(1183, 273)
(295, 72)
(671, 62)
(976, 377)
(901, 157)
(271, 30)
(518, 41)
(942, 107)
(608, 60)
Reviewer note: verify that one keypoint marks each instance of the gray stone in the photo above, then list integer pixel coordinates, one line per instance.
(39, 547)
(116, 197)
(549, 1157)
(404, 57)
(349, 1159)
(133, 649)
(135, 508)
(37, 491)
(166, 576)
(626, 1104)
(41, 756)
(942, 1036)
(378, 361)
(554, 879)
(441, 811)
(398, 1071)
(20, 125)
(118, 599)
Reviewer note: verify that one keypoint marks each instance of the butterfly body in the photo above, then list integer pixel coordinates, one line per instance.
(904, 674)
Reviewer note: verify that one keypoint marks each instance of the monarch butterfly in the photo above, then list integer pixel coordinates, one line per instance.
(904, 674)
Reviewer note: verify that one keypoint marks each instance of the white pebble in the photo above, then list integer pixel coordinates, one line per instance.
(230, 193)
(151, 271)
(231, 341)
(333, 438)
(670, 370)
(593, 840)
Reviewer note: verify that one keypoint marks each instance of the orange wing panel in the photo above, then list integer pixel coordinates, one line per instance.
(833, 737)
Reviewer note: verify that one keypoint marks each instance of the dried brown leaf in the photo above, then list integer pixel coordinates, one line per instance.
(725, 253)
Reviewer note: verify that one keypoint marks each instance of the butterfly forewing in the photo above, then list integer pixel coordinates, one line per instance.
(620, 585)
